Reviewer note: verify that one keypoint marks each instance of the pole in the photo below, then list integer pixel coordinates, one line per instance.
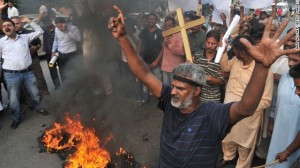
(150, 6)
(297, 24)
(58, 74)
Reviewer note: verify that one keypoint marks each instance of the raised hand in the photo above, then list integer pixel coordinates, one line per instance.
(223, 16)
(24, 19)
(2, 4)
(117, 25)
(268, 50)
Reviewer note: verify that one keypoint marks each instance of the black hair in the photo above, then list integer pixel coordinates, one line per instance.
(191, 14)
(238, 45)
(263, 12)
(60, 20)
(152, 14)
(8, 20)
(257, 31)
(253, 21)
(170, 18)
(218, 26)
(295, 71)
(222, 31)
(195, 17)
(248, 30)
(144, 16)
(187, 15)
(215, 34)
(203, 27)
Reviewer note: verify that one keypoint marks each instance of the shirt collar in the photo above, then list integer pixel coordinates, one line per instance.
(6, 37)
(249, 65)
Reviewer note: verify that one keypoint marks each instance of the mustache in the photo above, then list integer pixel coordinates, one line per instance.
(210, 49)
(175, 97)
(7, 29)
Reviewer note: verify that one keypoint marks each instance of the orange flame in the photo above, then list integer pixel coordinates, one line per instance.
(88, 153)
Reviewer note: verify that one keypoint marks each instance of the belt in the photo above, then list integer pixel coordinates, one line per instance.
(68, 54)
(17, 71)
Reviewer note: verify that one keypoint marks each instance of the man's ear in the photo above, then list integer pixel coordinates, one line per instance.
(243, 53)
(197, 91)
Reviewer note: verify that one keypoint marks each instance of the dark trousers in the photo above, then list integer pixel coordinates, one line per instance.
(38, 72)
(53, 72)
(64, 60)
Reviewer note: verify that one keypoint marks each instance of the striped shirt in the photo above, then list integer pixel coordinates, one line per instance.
(192, 140)
(210, 92)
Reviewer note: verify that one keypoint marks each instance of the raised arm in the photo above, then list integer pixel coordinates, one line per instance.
(274, 9)
(223, 17)
(38, 31)
(264, 53)
(74, 33)
(136, 64)
(2, 6)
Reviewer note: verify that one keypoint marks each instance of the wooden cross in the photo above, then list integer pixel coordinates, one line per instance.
(182, 28)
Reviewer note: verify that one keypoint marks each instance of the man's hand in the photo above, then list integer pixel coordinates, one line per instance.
(247, 18)
(32, 49)
(2, 4)
(53, 54)
(282, 156)
(65, 28)
(223, 17)
(24, 19)
(268, 50)
(117, 25)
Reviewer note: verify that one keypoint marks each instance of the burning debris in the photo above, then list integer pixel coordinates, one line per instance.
(80, 147)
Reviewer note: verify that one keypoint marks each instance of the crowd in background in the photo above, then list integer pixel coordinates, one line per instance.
(80, 33)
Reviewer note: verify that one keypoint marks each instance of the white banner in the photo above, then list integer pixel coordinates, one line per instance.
(221, 7)
(186, 5)
(233, 24)
(254, 4)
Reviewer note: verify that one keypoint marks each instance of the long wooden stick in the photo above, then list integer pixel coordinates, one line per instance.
(267, 165)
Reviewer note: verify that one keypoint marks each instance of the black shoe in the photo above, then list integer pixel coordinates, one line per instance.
(15, 124)
(42, 111)
(30, 106)
(5, 108)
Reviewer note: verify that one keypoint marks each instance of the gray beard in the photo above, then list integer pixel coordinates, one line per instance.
(183, 104)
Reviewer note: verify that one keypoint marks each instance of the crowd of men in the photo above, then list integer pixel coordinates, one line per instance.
(213, 112)
(188, 109)
(63, 34)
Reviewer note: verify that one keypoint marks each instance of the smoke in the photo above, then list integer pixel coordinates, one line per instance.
(90, 76)
(95, 86)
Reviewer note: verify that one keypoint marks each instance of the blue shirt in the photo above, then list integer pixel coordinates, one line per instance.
(192, 140)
